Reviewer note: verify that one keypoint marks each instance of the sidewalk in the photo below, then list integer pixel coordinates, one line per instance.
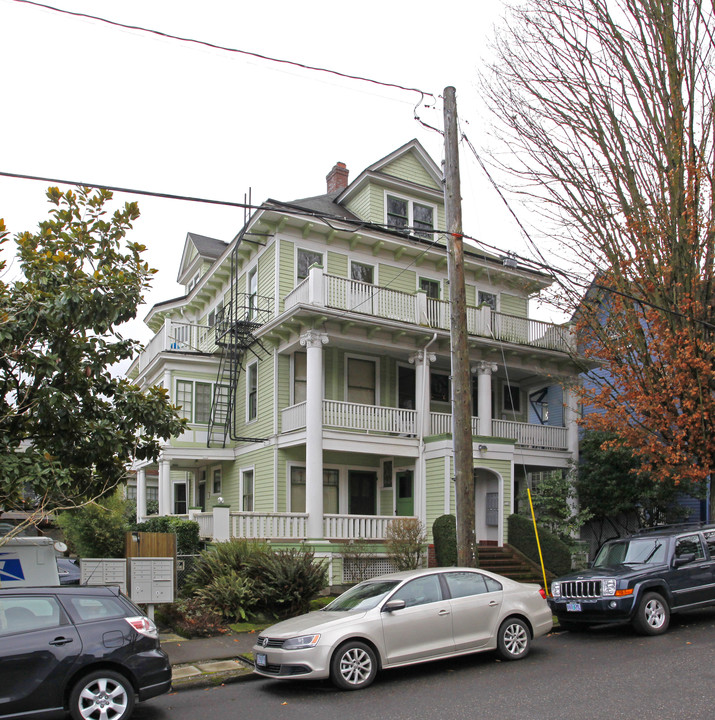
(206, 662)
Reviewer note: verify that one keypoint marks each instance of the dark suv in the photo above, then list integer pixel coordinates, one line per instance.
(640, 579)
(86, 650)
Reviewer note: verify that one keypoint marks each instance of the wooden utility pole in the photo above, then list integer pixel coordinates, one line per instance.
(461, 385)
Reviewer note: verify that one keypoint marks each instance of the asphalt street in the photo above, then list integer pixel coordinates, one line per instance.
(601, 673)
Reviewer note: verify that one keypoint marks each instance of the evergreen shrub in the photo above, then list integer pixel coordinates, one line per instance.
(444, 532)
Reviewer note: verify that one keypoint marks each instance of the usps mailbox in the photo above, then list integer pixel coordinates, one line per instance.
(152, 580)
(104, 571)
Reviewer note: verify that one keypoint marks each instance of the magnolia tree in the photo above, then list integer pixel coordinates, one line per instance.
(607, 110)
(68, 427)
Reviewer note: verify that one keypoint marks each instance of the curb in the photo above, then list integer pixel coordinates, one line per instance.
(211, 674)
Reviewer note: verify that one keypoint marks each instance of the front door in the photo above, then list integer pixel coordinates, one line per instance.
(405, 503)
(362, 492)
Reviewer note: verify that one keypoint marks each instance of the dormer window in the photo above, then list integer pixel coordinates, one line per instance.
(405, 213)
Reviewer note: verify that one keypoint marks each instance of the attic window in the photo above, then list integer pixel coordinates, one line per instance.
(403, 213)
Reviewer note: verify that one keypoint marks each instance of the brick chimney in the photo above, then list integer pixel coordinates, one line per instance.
(337, 178)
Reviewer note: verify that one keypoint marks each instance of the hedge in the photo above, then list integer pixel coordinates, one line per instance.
(557, 555)
(186, 531)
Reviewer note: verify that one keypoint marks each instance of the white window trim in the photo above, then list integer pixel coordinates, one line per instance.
(307, 248)
(249, 366)
(193, 382)
(491, 291)
(426, 276)
(210, 488)
(410, 211)
(371, 358)
(242, 471)
(354, 261)
(342, 471)
(187, 485)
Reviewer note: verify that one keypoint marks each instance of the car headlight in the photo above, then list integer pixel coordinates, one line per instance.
(302, 642)
(555, 589)
(608, 586)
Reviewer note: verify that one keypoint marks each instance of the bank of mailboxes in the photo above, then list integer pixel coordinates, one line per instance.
(104, 571)
(151, 580)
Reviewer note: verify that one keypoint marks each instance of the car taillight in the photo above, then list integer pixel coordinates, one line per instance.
(542, 592)
(143, 625)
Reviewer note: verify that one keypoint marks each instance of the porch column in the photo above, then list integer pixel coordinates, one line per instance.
(313, 342)
(421, 360)
(484, 372)
(141, 494)
(570, 420)
(164, 487)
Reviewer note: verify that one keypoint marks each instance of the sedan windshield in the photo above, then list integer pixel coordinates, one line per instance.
(644, 551)
(362, 597)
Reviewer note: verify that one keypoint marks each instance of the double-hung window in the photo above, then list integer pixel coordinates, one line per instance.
(362, 381)
(247, 492)
(305, 259)
(300, 377)
(403, 213)
(252, 392)
(194, 401)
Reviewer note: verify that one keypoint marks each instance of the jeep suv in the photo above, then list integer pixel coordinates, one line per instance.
(86, 650)
(640, 579)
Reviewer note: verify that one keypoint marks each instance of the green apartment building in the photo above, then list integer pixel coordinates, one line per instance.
(311, 358)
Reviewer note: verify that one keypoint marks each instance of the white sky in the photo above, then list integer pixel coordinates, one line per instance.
(86, 101)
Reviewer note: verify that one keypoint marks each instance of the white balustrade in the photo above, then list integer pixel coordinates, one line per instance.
(364, 527)
(369, 418)
(254, 526)
(206, 524)
(298, 296)
(548, 437)
(293, 417)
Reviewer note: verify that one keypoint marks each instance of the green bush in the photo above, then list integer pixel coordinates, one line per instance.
(220, 559)
(286, 580)
(556, 554)
(186, 531)
(444, 532)
(96, 530)
(232, 595)
(192, 617)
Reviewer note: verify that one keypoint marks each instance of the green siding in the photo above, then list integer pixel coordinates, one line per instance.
(514, 305)
(471, 295)
(434, 491)
(398, 279)
(337, 264)
(286, 271)
(408, 167)
(267, 272)
(360, 203)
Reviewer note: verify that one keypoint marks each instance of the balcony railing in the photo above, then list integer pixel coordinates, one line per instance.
(293, 526)
(359, 297)
(178, 337)
(375, 419)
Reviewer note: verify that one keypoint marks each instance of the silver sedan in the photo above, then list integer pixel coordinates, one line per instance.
(405, 618)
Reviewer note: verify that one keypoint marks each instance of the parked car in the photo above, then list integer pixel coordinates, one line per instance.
(68, 569)
(640, 579)
(405, 618)
(86, 650)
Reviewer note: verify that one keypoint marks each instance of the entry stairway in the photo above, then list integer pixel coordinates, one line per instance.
(509, 562)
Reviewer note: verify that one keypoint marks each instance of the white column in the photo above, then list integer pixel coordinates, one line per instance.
(484, 372)
(313, 342)
(164, 487)
(316, 285)
(141, 494)
(570, 420)
(222, 523)
(421, 360)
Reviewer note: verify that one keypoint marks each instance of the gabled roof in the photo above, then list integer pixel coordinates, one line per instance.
(198, 248)
(381, 171)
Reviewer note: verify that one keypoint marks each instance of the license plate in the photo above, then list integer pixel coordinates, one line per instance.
(573, 607)
(260, 660)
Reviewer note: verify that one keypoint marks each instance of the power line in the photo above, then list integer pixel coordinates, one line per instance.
(260, 56)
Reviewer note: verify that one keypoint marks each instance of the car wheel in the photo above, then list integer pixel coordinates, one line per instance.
(513, 640)
(102, 695)
(353, 666)
(652, 616)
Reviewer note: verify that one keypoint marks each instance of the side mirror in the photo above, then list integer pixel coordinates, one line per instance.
(683, 559)
(391, 605)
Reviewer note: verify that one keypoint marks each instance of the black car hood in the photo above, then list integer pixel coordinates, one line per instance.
(615, 571)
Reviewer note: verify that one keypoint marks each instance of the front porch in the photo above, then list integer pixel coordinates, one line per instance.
(221, 525)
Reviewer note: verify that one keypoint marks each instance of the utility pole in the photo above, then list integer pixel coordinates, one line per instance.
(461, 386)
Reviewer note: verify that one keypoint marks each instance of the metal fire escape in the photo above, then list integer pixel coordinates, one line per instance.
(235, 329)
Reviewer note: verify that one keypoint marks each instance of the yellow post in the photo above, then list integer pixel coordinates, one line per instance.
(538, 544)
